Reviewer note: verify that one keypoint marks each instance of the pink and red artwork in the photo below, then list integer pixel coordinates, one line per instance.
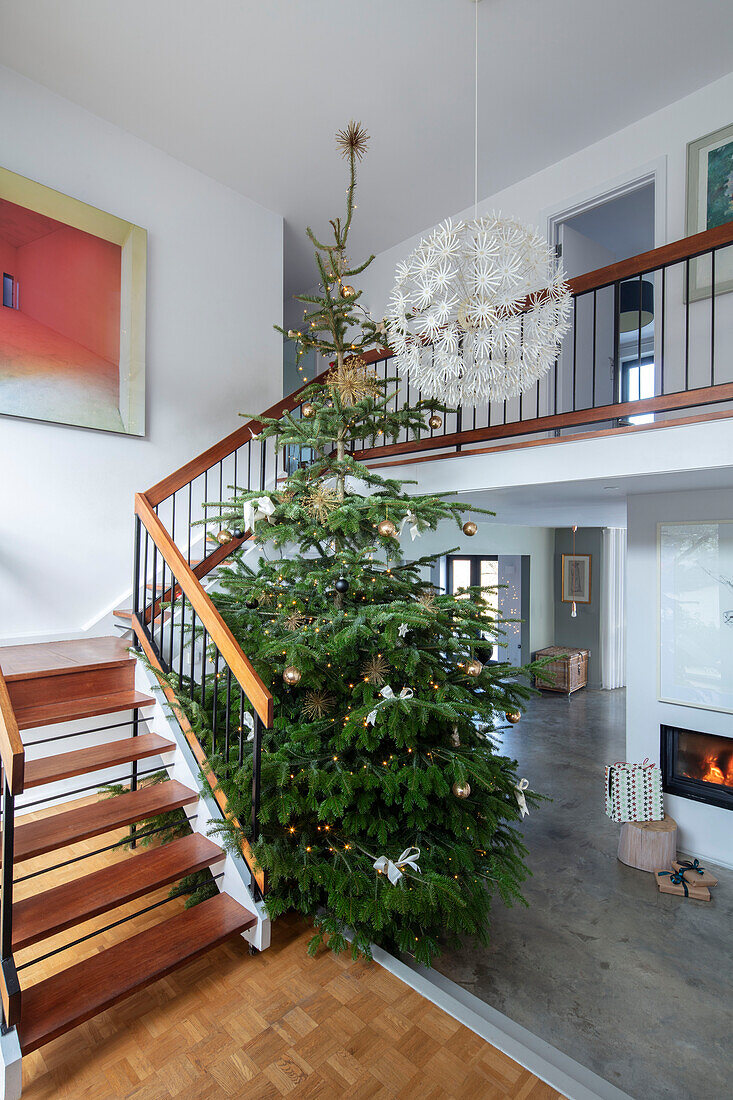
(69, 352)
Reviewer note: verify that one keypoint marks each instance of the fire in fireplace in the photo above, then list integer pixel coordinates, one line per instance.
(697, 765)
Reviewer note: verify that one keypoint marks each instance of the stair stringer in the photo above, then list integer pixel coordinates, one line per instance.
(181, 764)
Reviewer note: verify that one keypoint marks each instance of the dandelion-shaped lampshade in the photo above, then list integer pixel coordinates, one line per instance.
(478, 311)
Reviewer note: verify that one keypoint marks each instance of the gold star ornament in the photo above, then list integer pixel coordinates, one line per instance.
(353, 140)
(353, 380)
(375, 670)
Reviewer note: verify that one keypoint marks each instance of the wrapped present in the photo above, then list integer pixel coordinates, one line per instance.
(673, 882)
(634, 791)
(694, 874)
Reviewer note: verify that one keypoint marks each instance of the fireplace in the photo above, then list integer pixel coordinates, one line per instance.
(697, 765)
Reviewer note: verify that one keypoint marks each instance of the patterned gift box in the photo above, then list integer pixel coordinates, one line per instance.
(634, 791)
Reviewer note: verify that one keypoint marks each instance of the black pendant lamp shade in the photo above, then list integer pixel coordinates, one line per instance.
(636, 304)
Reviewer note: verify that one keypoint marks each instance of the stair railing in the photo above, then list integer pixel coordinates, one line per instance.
(13, 767)
(587, 389)
(174, 619)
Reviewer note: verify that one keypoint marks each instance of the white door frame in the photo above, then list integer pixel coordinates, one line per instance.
(654, 172)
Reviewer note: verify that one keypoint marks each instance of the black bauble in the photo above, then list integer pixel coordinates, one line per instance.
(342, 585)
(251, 604)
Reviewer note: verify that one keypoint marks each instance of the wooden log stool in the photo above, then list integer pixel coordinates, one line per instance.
(648, 845)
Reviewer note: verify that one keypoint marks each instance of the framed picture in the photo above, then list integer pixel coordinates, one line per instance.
(72, 320)
(709, 204)
(576, 578)
(695, 564)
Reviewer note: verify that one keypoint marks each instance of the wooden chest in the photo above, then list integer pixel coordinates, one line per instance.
(567, 672)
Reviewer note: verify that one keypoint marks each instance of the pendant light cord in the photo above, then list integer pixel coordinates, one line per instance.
(475, 114)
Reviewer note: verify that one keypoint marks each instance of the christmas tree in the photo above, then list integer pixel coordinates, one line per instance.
(386, 808)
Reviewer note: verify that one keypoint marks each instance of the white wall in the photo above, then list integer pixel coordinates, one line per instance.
(496, 538)
(703, 830)
(214, 291)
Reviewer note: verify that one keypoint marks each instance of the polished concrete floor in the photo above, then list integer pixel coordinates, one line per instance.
(634, 984)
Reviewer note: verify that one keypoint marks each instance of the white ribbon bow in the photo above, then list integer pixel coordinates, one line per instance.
(411, 518)
(256, 509)
(249, 722)
(387, 694)
(393, 871)
(519, 790)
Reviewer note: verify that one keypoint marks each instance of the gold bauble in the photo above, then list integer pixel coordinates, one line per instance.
(469, 528)
(387, 529)
(435, 421)
(347, 291)
(308, 410)
(513, 716)
(461, 790)
(473, 667)
(292, 675)
(224, 536)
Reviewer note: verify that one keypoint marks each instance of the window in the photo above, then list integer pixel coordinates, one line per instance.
(474, 570)
(637, 383)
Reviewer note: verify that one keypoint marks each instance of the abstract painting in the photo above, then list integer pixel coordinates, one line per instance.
(72, 320)
(696, 614)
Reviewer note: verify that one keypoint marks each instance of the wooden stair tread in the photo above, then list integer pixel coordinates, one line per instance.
(74, 902)
(34, 838)
(64, 1000)
(49, 769)
(127, 613)
(68, 710)
(20, 662)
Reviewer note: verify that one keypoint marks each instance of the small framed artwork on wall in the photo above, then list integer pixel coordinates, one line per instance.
(710, 204)
(576, 576)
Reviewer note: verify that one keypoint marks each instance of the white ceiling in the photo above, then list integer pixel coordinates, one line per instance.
(252, 92)
(590, 503)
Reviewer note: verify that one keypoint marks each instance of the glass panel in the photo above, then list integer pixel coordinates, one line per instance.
(460, 574)
(489, 579)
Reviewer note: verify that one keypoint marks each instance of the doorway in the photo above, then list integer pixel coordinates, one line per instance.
(615, 352)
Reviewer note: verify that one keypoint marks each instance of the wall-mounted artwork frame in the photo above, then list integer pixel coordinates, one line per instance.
(695, 614)
(709, 204)
(576, 578)
(72, 318)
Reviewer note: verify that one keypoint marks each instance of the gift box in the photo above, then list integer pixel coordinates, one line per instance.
(694, 874)
(673, 882)
(634, 791)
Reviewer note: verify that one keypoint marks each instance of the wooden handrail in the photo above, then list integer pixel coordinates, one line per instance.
(11, 745)
(668, 402)
(684, 249)
(220, 634)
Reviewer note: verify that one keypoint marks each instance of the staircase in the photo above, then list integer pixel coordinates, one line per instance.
(54, 697)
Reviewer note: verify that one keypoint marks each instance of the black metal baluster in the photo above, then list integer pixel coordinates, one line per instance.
(617, 394)
(151, 626)
(256, 753)
(638, 349)
(712, 319)
(661, 350)
(575, 346)
(593, 380)
(206, 514)
(205, 637)
(136, 579)
(557, 359)
(133, 774)
(216, 694)
(190, 490)
(143, 616)
(173, 589)
(192, 671)
(241, 727)
(227, 714)
(687, 324)
(183, 637)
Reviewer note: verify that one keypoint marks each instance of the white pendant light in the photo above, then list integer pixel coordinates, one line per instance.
(480, 307)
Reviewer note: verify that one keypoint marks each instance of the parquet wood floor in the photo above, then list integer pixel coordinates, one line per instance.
(264, 1027)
